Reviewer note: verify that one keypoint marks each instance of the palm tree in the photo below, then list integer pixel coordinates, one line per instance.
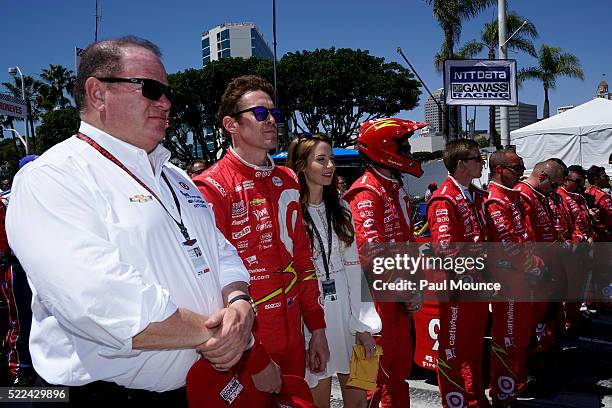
(552, 63)
(450, 15)
(469, 50)
(521, 41)
(57, 80)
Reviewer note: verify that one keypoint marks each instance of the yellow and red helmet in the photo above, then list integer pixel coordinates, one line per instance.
(384, 142)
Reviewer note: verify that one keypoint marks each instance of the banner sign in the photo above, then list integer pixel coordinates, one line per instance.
(11, 106)
(480, 82)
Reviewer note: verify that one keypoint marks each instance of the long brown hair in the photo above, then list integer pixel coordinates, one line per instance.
(297, 159)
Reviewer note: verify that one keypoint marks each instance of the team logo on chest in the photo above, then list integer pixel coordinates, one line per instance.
(140, 198)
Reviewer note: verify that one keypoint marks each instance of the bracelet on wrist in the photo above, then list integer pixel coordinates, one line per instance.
(247, 299)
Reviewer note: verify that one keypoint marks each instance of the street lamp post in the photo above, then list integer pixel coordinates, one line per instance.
(25, 143)
(504, 124)
(14, 71)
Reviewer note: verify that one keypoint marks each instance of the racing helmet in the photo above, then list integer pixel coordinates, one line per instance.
(382, 141)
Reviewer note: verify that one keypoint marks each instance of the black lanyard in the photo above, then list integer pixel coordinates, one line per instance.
(109, 156)
(329, 242)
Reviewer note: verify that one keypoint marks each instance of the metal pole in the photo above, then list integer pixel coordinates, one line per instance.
(96, 33)
(25, 120)
(18, 136)
(274, 44)
(451, 120)
(503, 110)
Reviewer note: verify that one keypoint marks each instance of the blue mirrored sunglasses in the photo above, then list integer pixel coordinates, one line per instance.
(261, 113)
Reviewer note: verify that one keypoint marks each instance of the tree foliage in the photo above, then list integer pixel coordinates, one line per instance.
(333, 90)
(194, 111)
(450, 15)
(552, 63)
(56, 126)
(57, 82)
(328, 91)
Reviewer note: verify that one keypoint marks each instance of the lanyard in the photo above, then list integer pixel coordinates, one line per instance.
(109, 156)
(329, 243)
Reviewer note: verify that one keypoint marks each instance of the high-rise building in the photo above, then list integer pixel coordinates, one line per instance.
(234, 40)
(518, 116)
(435, 116)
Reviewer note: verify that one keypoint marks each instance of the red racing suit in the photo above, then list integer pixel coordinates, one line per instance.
(570, 264)
(603, 224)
(576, 206)
(381, 212)
(454, 219)
(538, 218)
(258, 211)
(511, 320)
(602, 256)
(561, 218)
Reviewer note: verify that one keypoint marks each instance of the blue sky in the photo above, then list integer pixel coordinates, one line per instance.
(36, 33)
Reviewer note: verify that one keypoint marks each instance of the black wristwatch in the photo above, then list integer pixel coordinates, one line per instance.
(246, 298)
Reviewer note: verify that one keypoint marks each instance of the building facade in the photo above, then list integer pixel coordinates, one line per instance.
(602, 91)
(234, 40)
(435, 116)
(518, 116)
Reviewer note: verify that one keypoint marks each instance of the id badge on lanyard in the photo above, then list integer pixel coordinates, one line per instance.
(195, 255)
(190, 246)
(328, 286)
(329, 290)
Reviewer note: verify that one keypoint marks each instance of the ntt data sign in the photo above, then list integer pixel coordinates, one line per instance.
(480, 82)
(11, 106)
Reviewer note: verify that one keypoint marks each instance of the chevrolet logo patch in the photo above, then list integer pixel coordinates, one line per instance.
(140, 198)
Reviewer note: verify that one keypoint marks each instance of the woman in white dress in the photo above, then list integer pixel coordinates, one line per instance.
(332, 235)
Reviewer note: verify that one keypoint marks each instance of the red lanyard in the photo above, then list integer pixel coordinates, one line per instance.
(109, 156)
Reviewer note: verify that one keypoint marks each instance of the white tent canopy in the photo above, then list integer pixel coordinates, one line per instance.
(581, 135)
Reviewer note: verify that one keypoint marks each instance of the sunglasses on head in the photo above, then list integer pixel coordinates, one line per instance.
(151, 89)
(261, 113)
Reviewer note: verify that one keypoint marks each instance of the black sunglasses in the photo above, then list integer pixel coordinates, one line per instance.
(477, 158)
(261, 113)
(517, 168)
(151, 89)
(576, 180)
(552, 183)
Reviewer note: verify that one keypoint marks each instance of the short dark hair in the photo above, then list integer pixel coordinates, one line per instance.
(234, 91)
(562, 164)
(499, 158)
(575, 168)
(103, 59)
(456, 150)
(551, 168)
(594, 172)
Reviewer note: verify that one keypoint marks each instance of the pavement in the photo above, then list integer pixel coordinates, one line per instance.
(577, 376)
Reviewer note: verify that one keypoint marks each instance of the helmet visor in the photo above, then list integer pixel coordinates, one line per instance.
(403, 145)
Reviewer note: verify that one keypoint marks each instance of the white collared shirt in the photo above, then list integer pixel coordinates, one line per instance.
(104, 259)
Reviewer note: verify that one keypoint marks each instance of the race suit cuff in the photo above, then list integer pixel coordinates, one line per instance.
(315, 320)
(256, 358)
